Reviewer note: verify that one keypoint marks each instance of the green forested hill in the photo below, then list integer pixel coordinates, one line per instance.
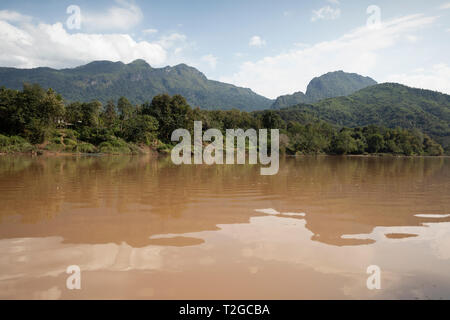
(329, 85)
(104, 80)
(37, 120)
(290, 100)
(389, 104)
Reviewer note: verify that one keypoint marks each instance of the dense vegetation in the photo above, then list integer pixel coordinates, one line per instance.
(138, 81)
(329, 85)
(36, 118)
(391, 105)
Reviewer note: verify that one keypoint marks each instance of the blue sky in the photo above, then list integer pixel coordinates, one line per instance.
(272, 47)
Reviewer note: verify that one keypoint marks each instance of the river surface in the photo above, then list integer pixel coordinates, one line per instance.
(143, 228)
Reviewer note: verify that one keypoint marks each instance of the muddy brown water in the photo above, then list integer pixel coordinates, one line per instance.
(141, 228)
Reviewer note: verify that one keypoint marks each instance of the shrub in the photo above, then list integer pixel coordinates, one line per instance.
(114, 146)
(4, 141)
(14, 144)
(163, 148)
(72, 134)
(55, 140)
(86, 148)
(54, 147)
(70, 142)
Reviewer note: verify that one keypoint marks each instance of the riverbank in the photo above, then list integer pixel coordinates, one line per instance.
(146, 150)
(66, 142)
(141, 150)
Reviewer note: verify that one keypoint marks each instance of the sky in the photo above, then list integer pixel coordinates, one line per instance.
(272, 47)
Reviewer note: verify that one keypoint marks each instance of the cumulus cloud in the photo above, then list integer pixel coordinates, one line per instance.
(436, 78)
(169, 41)
(210, 60)
(27, 45)
(13, 16)
(256, 41)
(357, 51)
(122, 16)
(326, 13)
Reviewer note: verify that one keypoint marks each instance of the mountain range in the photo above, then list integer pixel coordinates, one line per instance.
(139, 82)
(340, 98)
(329, 85)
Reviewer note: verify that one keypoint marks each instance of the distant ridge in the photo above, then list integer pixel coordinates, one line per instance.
(139, 82)
(388, 104)
(329, 85)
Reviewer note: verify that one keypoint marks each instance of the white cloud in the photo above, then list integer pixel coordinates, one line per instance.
(150, 31)
(13, 16)
(412, 38)
(326, 13)
(169, 41)
(357, 51)
(301, 45)
(445, 6)
(178, 50)
(28, 45)
(256, 41)
(210, 60)
(435, 78)
(123, 16)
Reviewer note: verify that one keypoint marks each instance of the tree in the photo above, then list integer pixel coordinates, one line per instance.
(432, 148)
(312, 138)
(74, 114)
(90, 113)
(10, 112)
(171, 112)
(375, 143)
(110, 114)
(32, 112)
(125, 108)
(272, 120)
(343, 143)
(143, 129)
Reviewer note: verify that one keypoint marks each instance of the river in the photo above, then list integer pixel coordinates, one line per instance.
(144, 228)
